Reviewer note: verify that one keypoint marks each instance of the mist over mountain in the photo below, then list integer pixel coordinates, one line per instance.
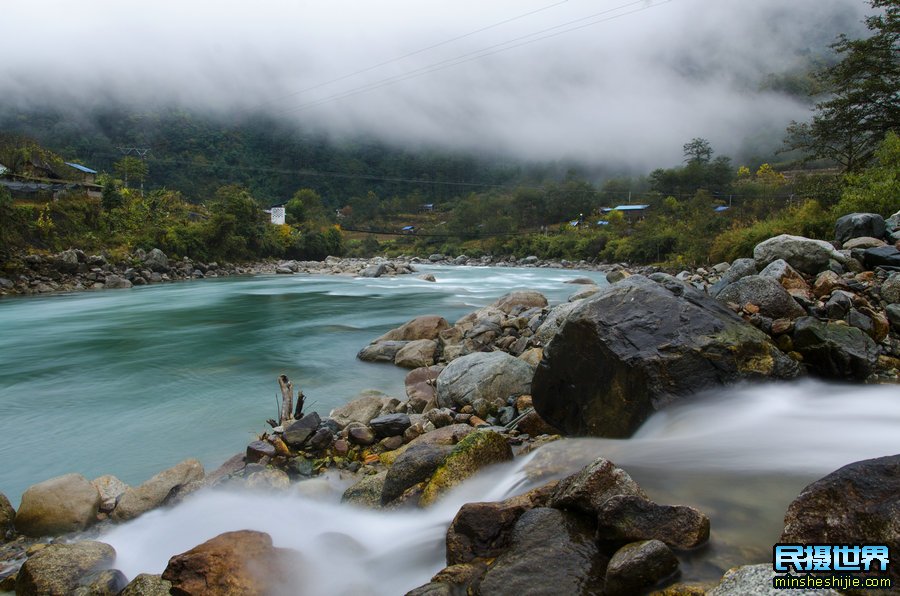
(620, 83)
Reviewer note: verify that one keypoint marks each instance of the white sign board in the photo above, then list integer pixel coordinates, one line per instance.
(278, 216)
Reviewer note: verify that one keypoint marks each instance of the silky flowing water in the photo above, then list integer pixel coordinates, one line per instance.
(131, 382)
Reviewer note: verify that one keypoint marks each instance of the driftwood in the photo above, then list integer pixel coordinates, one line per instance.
(298, 413)
(287, 397)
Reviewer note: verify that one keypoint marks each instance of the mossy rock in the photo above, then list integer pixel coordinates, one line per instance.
(476, 451)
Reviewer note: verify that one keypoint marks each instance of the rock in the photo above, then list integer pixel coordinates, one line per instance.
(756, 580)
(804, 254)
(857, 504)
(637, 566)
(740, 268)
(856, 225)
(834, 351)
(424, 327)
(589, 489)
(890, 289)
(440, 417)
(789, 278)
(257, 450)
(146, 584)
(826, 282)
(110, 489)
(427, 277)
(863, 242)
(476, 451)
(493, 376)
(839, 305)
(381, 351)
(517, 302)
(553, 321)
(66, 261)
(639, 345)
(532, 357)
(57, 506)
(448, 435)
(626, 518)
(361, 435)
(60, 569)
(374, 270)
(585, 281)
(766, 293)
(893, 314)
(484, 530)
(7, 516)
(420, 387)
(363, 409)
(415, 465)
(390, 425)
(436, 257)
(115, 282)
(109, 582)
(416, 354)
(154, 492)
(321, 440)
(617, 276)
(157, 260)
(551, 552)
(584, 293)
(533, 425)
(886, 256)
(242, 563)
(367, 492)
(267, 479)
(296, 434)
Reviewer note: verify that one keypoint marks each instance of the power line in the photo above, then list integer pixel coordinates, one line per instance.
(485, 52)
(416, 52)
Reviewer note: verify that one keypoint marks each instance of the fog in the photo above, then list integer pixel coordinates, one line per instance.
(628, 85)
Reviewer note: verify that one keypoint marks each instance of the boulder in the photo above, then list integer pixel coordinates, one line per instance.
(242, 563)
(767, 293)
(516, 302)
(789, 278)
(588, 490)
(637, 566)
(361, 435)
(381, 351)
(363, 409)
(885, 256)
(492, 376)
(639, 345)
(116, 282)
(476, 451)
(374, 270)
(146, 584)
(257, 450)
(484, 530)
(297, 433)
(625, 518)
(857, 504)
(863, 243)
(416, 464)
(424, 327)
(57, 506)
(856, 225)
(553, 321)
(893, 314)
(416, 354)
(804, 254)
(267, 479)
(833, 350)
(740, 268)
(110, 489)
(616, 276)
(60, 569)
(551, 552)
(366, 492)
(154, 492)
(584, 293)
(157, 260)
(826, 282)
(756, 580)
(890, 289)
(420, 387)
(7, 516)
(390, 425)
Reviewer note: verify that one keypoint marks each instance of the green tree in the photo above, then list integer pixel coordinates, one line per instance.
(876, 189)
(697, 150)
(131, 168)
(864, 95)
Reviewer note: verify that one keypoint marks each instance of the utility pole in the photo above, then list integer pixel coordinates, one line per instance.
(140, 152)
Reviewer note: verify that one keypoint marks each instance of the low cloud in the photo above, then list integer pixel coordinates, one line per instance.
(627, 91)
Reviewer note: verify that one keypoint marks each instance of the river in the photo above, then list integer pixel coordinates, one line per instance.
(130, 382)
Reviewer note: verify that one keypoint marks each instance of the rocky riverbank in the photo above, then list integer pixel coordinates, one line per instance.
(505, 380)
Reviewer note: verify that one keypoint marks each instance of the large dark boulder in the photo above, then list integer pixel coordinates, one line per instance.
(413, 466)
(885, 256)
(857, 504)
(766, 293)
(856, 225)
(833, 350)
(637, 346)
(739, 269)
(552, 552)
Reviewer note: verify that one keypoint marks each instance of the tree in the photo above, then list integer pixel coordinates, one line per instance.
(697, 151)
(130, 167)
(864, 95)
